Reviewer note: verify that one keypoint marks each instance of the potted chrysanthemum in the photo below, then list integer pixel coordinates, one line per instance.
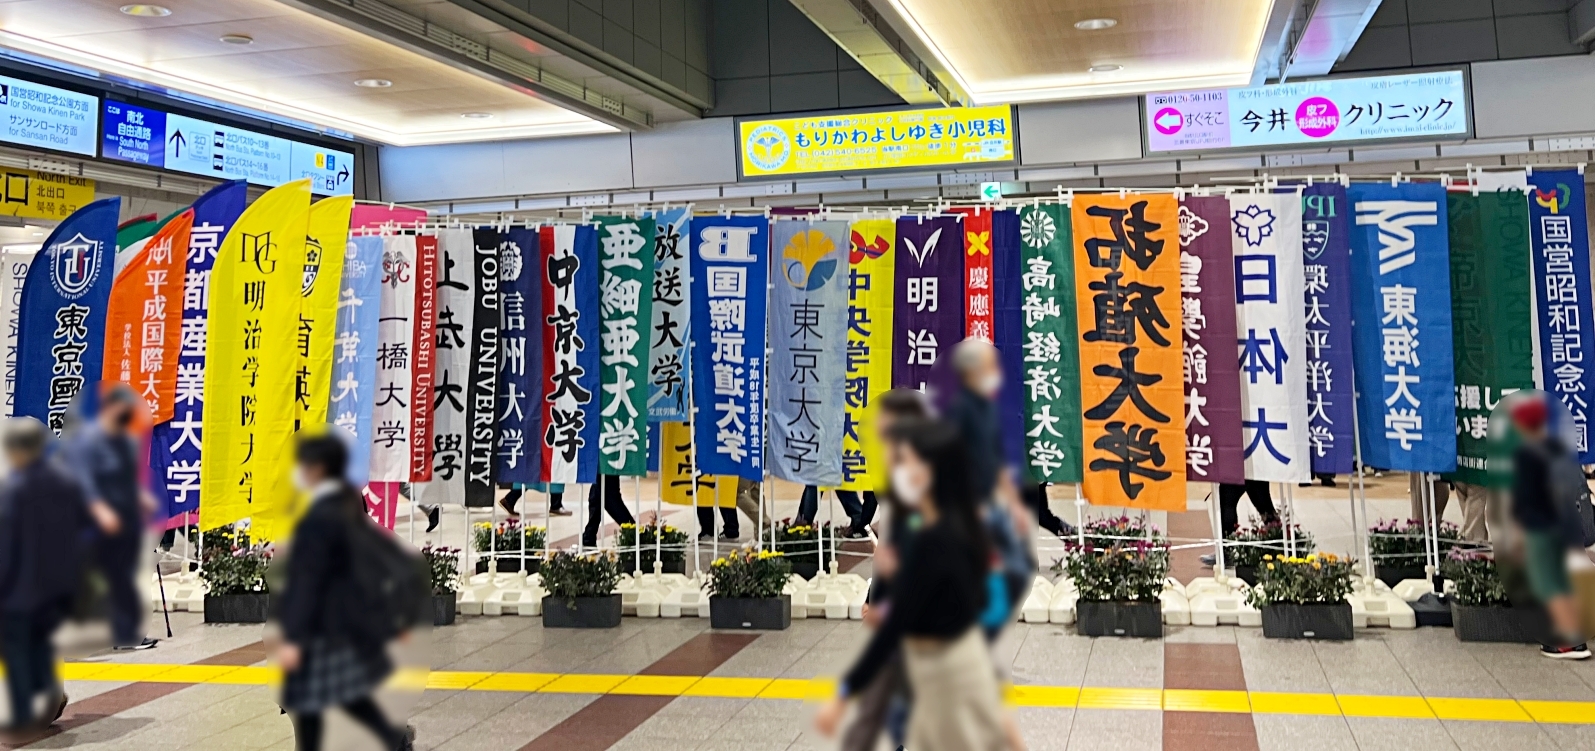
(1119, 572)
(1304, 597)
(444, 566)
(234, 572)
(1480, 608)
(745, 591)
(637, 546)
(581, 590)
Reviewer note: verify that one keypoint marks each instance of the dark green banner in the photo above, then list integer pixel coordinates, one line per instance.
(1051, 377)
(625, 304)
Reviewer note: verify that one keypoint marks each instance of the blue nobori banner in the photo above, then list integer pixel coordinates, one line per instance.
(730, 260)
(1326, 259)
(1558, 230)
(808, 322)
(1401, 304)
(668, 374)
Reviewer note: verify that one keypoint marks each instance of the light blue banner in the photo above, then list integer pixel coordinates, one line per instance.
(354, 350)
(808, 328)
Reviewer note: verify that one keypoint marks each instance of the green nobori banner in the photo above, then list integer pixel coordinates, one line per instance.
(1492, 314)
(1051, 377)
(625, 299)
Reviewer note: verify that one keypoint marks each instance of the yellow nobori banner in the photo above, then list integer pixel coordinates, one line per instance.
(250, 363)
(877, 140)
(869, 349)
(324, 250)
(676, 470)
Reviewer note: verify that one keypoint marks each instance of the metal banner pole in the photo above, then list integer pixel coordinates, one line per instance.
(1215, 519)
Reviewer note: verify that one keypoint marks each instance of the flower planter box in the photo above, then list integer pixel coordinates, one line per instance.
(1324, 621)
(678, 566)
(249, 608)
(1392, 575)
(1133, 619)
(1490, 624)
(1432, 610)
(511, 565)
(587, 612)
(443, 609)
(755, 613)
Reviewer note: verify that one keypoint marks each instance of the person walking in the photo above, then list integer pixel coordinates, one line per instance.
(604, 497)
(44, 529)
(1546, 484)
(326, 659)
(105, 458)
(937, 598)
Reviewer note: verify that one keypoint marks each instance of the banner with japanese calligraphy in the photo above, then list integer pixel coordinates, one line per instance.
(60, 342)
(423, 357)
(808, 325)
(324, 250)
(1008, 334)
(144, 317)
(14, 263)
(1214, 448)
(390, 412)
(930, 260)
(1326, 259)
(978, 301)
(1127, 277)
(520, 393)
(250, 361)
(1051, 362)
(455, 330)
(1401, 298)
(569, 276)
(730, 257)
(676, 472)
(870, 296)
(625, 280)
(1270, 328)
(1492, 315)
(668, 369)
(175, 446)
(481, 406)
(1558, 229)
(354, 361)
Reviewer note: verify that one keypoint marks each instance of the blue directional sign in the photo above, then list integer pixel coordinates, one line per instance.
(47, 117)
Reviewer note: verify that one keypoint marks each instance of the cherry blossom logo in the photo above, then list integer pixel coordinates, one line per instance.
(1254, 223)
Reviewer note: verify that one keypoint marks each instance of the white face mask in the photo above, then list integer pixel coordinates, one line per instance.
(301, 483)
(908, 487)
(989, 384)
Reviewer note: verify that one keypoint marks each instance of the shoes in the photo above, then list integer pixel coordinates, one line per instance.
(60, 709)
(1208, 560)
(855, 533)
(559, 512)
(148, 643)
(508, 509)
(1327, 481)
(1066, 530)
(730, 538)
(1575, 652)
(706, 535)
(434, 516)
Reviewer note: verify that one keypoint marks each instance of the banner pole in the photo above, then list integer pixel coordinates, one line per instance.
(492, 518)
(1217, 523)
(1361, 491)
(1079, 516)
(1290, 519)
(523, 502)
(659, 513)
(636, 542)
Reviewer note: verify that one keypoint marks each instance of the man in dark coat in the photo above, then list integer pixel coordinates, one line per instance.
(43, 531)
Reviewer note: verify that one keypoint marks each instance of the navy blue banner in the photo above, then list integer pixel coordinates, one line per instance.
(1557, 229)
(61, 318)
(1326, 265)
(1008, 327)
(520, 393)
(174, 445)
(730, 263)
(586, 249)
(1401, 305)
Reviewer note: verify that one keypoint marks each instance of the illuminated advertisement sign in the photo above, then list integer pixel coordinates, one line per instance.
(940, 137)
(151, 137)
(47, 117)
(1417, 105)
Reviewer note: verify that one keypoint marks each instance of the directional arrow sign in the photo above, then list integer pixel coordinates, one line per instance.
(178, 141)
(991, 191)
(1168, 120)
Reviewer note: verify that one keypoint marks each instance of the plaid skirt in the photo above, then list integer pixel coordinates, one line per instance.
(331, 675)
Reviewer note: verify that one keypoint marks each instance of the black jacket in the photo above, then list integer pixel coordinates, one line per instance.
(977, 421)
(319, 596)
(44, 533)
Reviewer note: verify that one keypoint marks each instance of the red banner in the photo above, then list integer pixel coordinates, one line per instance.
(144, 319)
(421, 357)
(977, 272)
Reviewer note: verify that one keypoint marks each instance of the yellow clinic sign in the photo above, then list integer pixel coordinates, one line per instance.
(43, 195)
(941, 137)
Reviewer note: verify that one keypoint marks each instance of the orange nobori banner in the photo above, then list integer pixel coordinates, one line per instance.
(1127, 282)
(143, 320)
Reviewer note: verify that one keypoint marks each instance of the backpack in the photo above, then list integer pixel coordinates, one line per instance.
(1570, 492)
(393, 590)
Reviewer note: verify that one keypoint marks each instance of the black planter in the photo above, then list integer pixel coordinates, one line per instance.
(1510, 625)
(1134, 619)
(587, 612)
(677, 566)
(1432, 610)
(752, 613)
(1393, 574)
(511, 565)
(443, 610)
(1247, 574)
(1323, 621)
(250, 608)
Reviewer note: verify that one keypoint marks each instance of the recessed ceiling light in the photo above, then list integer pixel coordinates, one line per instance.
(38, 234)
(147, 11)
(476, 115)
(1106, 68)
(373, 83)
(238, 39)
(1096, 24)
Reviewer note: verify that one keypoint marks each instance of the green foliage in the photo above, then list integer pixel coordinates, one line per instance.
(673, 546)
(506, 536)
(1478, 582)
(745, 573)
(1401, 543)
(1123, 560)
(1259, 539)
(232, 566)
(569, 576)
(1319, 578)
(443, 564)
(804, 543)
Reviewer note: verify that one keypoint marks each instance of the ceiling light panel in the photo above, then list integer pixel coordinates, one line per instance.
(297, 65)
(1032, 50)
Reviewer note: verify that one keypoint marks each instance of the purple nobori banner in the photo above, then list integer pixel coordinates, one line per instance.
(1326, 258)
(929, 302)
(1214, 443)
(174, 445)
(1007, 266)
(730, 277)
(520, 416)
(1558, 232)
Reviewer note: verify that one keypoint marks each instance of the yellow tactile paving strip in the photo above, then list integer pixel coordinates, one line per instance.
(1064, 697)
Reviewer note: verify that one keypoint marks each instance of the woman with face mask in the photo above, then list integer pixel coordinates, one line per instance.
(938, 594)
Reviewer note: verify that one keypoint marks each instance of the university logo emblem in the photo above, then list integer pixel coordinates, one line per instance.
(1314, 237)
(73, 266)
(312, 266)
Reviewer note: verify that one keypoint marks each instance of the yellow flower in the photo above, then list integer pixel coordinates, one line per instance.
(1317, 565)
(628, 525)
(1270, 567)
(1268, 557)
(1312, 557)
